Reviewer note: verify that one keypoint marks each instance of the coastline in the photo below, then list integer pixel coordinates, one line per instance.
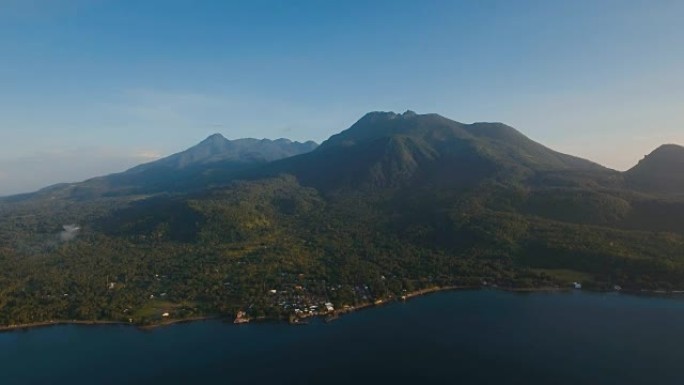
(46, 324)
(403, 298)
(334, 315)
(438, 289)
(175, 322)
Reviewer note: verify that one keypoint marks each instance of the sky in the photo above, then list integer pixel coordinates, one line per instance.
(91, 87)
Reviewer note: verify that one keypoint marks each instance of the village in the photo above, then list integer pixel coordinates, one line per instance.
(297, 297)
(298, 303)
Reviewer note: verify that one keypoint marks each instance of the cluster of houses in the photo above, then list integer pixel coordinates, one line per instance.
(313, 310)
(298, 302)
(301, 303)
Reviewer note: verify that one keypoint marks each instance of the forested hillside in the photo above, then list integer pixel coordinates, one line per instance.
(394, 204)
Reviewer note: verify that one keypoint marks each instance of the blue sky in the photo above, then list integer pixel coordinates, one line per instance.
(89, 87)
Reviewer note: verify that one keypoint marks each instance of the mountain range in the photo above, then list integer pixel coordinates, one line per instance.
(381, 149)
(396, 202)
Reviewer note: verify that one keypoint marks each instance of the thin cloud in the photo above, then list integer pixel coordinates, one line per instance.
(149, 155)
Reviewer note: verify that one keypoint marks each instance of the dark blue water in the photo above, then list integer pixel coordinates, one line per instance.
(473, 337)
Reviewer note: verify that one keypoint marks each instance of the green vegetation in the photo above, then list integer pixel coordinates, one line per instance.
(396, 204)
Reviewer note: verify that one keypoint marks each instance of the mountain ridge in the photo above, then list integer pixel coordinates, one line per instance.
(188, 169)
(428, 135)
(216, 148)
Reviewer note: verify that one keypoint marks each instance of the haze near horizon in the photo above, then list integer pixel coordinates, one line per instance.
(94, 87)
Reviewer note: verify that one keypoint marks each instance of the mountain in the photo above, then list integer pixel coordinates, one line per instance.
(385, 149)
(495, 141)
(416, 166)
(212, 161)
(217, 148)
(662, 171)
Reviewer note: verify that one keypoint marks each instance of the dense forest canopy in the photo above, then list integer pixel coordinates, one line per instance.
(395, 204)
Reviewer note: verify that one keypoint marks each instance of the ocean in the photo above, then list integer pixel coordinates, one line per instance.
(457, 337)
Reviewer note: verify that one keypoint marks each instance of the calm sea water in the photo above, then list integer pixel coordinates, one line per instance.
(472, 337)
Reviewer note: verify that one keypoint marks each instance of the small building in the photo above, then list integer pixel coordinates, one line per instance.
(577, 285)
(165, 314)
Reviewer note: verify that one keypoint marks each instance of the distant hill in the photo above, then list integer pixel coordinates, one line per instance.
(217, 148)
(210, 162)
(661, 171)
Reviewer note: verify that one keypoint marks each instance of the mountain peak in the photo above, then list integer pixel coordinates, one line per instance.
(379, 124)
(375, 116)
(214, 138)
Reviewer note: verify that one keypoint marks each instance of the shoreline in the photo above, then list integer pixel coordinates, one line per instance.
(336, 314)
(439, 289)
(174, 322)
(47, 324)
